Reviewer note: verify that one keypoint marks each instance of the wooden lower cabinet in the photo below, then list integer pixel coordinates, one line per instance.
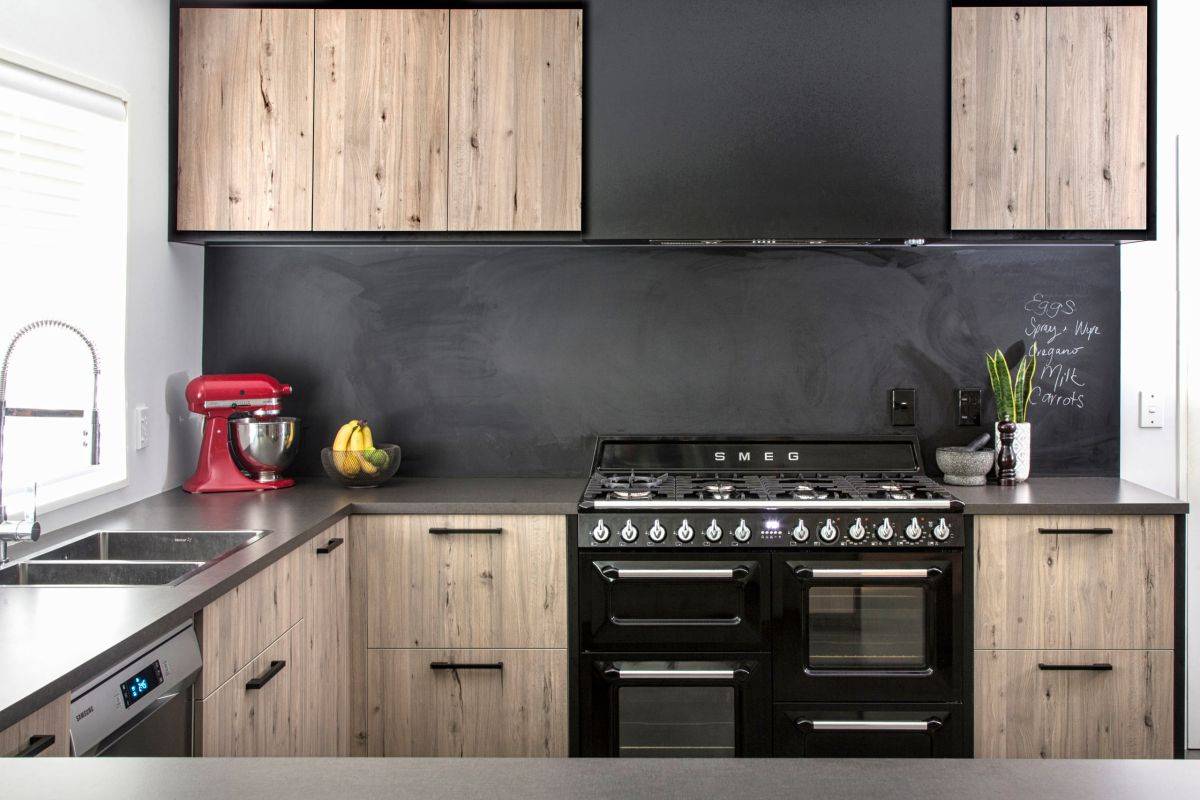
(519, 709)
(28, 737)
(326, 627)
(260, 710)
(1024, 708)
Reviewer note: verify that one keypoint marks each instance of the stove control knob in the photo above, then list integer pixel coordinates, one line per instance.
(885, 531)
(684, 532)
(828, 531)
(913, 531)
(629, 532)
(742, 532)
(800, 532)
(713, 532)
(857, 530)
(942, 531)
(600, 532)
(657, 532)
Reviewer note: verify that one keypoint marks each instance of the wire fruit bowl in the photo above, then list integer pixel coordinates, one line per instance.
(361, 469)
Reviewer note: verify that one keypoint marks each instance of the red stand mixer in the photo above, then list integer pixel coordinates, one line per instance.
(246, 443)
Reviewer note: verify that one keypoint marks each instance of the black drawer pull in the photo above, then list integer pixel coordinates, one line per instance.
(262, 680)
(36, 745)
(1085, 667)
(1077, 531)
(473, 531)
(330, 546)
(455, 665)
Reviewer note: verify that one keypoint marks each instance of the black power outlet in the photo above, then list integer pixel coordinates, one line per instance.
(970, 407)
(904, 407)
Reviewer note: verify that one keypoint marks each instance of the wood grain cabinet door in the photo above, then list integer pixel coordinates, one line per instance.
(998, 118)
(1074, 582)
(380, 119)
(516, 119)
(245, 140)
(45, 732)
(499, 703)
(326, 604)
(465, 581)
(1096, 64)
(1073, 704)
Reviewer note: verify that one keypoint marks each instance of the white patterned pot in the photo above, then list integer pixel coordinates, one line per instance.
(1022, 444)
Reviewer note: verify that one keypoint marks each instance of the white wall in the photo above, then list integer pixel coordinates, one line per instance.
(124, 43)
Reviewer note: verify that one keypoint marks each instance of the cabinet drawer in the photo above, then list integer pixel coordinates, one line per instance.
(239, 624)
(1107, 704)
(465, 581)
(258, 712)
(1074, 582)
(45, 732)
(506, 703)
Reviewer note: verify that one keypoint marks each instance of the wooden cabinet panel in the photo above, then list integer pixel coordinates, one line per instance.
(1096, 116)
(52, 719)
(519, 710)
(237, 720)
(245, 119)
(236, 626)
(381, 117)
(516, 112)
(998, 119)
(1074, 590)
(327, 641)
(465, 589)
(1022, 711)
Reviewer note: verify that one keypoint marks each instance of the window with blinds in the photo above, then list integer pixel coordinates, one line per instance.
(64, 174)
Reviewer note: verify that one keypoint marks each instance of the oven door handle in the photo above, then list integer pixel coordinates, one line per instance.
(868, 725)
(736, 672)
(837, 573)
(736, 572)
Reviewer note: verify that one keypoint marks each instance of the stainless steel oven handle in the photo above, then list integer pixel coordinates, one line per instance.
(885, 574)
(869, 725)
(680, 574)
(624, 673)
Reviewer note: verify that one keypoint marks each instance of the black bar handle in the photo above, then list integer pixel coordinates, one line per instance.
(457, 531)
(1077, 531)
(330, 546)
(36, 745)
(1100, 667)
(457, 665)
(262, 680)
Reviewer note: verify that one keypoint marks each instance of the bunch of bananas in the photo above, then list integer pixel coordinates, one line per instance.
(354, 450)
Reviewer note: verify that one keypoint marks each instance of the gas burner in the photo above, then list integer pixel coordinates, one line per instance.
(632, 486)
(806, 492)
(718, 491)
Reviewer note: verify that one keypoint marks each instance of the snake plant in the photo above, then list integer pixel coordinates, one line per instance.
(1012, 391)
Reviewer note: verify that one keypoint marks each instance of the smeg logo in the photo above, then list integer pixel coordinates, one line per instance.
(747, 456)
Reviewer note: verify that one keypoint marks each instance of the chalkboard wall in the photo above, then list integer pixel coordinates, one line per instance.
(510, 360)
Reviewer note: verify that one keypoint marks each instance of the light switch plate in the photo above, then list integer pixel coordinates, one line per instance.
(141, 427)
(970, 406)
(1150, 413)
(904, 407)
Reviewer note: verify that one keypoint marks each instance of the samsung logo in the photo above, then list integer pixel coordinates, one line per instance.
(84, 713)
(747, 455)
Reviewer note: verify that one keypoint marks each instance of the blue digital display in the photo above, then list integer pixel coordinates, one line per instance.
(141, 684)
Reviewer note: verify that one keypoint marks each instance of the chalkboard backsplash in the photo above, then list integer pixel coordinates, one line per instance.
(509, 361)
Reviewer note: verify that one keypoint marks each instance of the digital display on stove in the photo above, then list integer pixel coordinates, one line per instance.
(771, 524)
(141, 684)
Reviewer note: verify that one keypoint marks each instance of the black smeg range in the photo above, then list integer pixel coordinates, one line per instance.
(769, 597)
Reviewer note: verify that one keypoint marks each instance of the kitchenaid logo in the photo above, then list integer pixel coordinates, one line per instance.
(747, 456)
(84, 713)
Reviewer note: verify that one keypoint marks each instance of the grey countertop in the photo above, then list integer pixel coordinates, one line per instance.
(535, 779)
(54, 638)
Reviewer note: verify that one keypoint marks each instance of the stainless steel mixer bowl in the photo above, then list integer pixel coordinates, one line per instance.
(264, 446)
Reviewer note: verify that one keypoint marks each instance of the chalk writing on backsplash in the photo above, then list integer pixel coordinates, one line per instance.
(1063, 334)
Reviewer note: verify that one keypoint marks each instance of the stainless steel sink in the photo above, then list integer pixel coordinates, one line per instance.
(127, 558)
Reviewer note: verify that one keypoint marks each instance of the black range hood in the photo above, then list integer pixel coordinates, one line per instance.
(766, 122)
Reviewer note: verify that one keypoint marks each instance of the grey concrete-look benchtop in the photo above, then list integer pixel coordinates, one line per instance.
(54, 638)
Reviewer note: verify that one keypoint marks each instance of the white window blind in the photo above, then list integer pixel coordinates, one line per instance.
(63, 233)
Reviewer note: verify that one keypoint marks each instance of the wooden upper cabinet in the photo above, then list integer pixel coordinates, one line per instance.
(516, 112)
(997, 136)
(380, 120)
(1096, 117)
(245, 119)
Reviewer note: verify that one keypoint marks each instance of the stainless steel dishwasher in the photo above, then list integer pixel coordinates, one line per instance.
(142, 705)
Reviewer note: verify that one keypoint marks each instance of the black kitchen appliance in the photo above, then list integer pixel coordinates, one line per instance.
(767, 596)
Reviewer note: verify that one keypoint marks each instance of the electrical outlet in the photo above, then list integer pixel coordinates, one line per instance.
(141, 427)
(1150, 413)
(904, 407)
(970, 407)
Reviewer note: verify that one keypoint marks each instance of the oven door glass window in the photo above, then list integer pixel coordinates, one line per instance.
(867, 627)
(677, 721)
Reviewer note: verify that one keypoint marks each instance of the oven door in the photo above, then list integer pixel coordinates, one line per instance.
(677, 707)
(645, 602)
(878, 730)
(869, 627)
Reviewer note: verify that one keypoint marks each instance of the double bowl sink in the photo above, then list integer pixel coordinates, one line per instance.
(127, 558)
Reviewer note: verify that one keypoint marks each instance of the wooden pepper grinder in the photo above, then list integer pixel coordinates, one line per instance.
(1006, 459)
